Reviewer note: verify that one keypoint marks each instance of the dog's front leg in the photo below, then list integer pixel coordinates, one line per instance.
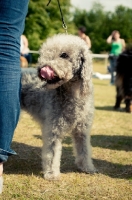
(82, 149)
(51, 154)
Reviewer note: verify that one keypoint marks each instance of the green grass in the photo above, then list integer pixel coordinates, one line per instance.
(111, 139)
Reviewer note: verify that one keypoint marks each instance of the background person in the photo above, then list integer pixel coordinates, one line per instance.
(82, 34)
(12, 20)
(117, 46)
(24, 48)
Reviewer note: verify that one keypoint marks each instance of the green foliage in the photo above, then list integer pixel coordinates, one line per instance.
(43, 21)
(122, 18)
(100, 24)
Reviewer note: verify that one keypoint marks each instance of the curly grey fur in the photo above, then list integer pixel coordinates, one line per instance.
(64, 107)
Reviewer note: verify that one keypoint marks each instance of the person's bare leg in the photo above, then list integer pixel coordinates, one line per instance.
(1, 178)
(1, 169)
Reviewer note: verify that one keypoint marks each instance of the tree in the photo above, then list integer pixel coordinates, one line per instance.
(93, 20)
(100, 24)
(122, 19)
(43, 21)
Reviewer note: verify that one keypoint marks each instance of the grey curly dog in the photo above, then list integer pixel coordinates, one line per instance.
(60, 98)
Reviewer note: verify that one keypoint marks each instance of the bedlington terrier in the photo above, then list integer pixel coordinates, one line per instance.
(61, 100)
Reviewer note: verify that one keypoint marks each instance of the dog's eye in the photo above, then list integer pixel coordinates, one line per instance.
(64, 55)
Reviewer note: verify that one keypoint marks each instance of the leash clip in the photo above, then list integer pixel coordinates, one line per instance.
(63, 22)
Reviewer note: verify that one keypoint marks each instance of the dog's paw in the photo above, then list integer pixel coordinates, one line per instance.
(88, 170)
(117, 109)
(51, 176)
(91, 170)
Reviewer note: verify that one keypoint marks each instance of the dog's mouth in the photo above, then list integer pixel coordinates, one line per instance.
(49, 75)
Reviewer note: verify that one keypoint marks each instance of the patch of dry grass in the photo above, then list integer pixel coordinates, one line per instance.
(111, 139)
(100, 65)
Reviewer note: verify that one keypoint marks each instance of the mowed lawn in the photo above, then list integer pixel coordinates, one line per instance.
(111, 139)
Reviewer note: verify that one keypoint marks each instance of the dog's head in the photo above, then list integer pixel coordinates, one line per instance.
(64, 58)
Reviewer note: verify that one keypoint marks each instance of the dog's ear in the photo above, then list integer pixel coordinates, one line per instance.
(86, 70)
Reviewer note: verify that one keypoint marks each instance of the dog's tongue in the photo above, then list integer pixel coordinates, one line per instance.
(47, 73)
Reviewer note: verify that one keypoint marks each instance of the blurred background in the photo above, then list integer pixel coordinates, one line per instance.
(99, 17)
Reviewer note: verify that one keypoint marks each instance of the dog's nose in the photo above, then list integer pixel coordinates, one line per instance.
(47, 73)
